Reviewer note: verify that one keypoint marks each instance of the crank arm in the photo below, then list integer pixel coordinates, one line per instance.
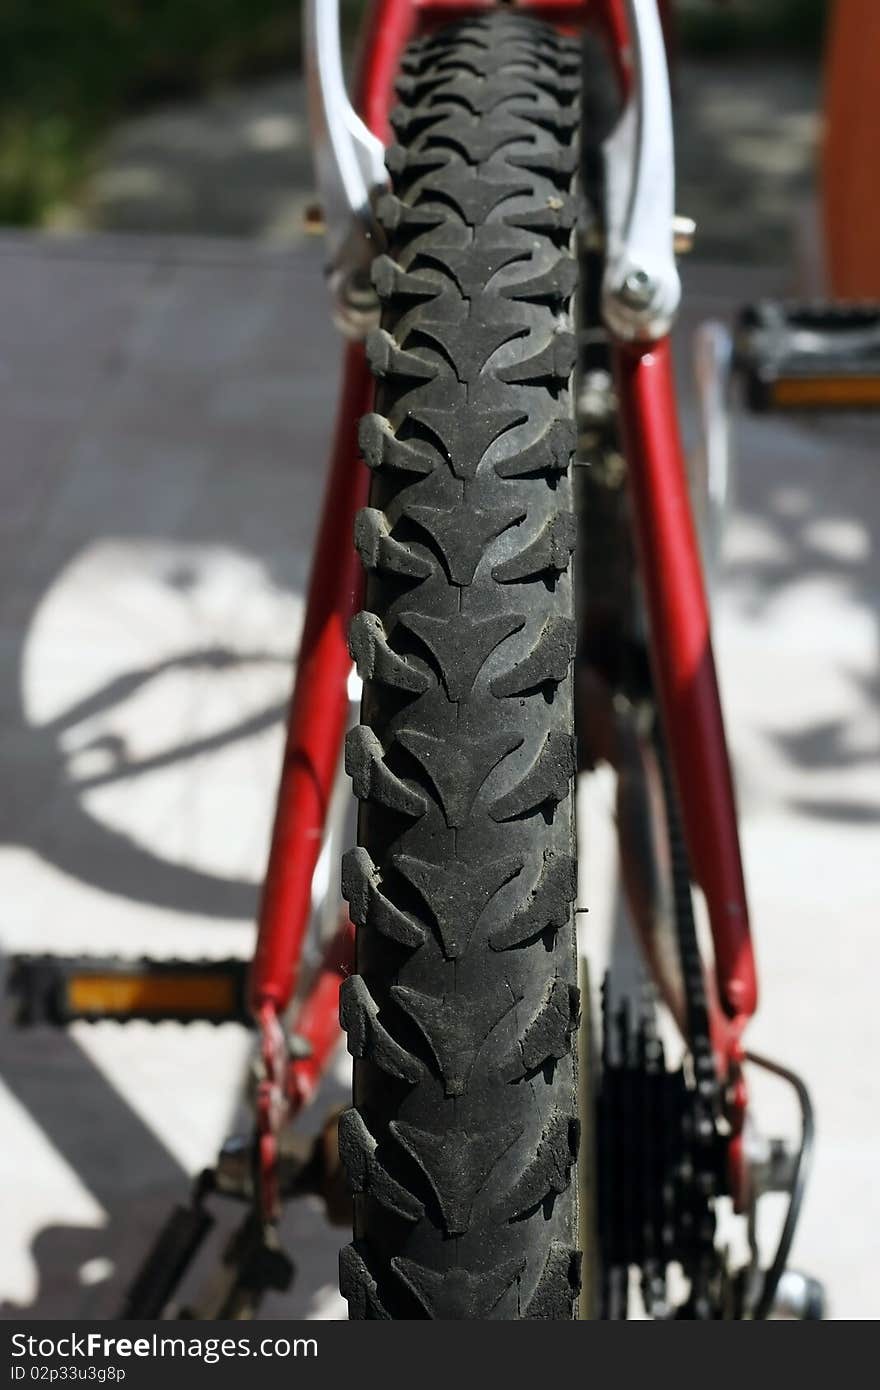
(253, 1265)
(253, 1262)
(171, 1256)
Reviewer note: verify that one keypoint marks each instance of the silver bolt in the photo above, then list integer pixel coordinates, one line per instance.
(638, 289)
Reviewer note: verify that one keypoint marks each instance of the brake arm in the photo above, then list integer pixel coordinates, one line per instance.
(349, 166)
(641, 289)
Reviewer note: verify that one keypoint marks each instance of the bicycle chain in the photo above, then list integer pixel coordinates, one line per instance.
(706, 1096)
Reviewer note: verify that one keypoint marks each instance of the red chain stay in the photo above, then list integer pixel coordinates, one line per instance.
(272, 1110)
(288, 1083)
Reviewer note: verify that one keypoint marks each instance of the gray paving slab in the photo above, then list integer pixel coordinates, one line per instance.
(166, 407)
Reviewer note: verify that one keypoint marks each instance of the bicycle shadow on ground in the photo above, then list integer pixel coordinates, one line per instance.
(138, 379)
(117, 1158)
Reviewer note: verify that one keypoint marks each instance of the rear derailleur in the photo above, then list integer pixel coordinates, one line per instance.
(668, 1218)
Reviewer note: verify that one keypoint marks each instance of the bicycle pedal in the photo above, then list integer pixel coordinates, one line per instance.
(59, 990)
(817, 356)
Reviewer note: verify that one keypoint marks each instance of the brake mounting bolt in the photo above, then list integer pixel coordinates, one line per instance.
(637, 290)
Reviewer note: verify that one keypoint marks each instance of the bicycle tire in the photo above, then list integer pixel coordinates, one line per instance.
(462, 1015)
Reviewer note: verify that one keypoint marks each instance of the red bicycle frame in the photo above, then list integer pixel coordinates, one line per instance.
(680, 640)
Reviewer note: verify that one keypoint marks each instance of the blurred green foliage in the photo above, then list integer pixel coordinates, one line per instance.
(69, 68)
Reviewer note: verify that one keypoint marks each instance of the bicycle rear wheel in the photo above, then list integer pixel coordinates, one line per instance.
(462, 1014)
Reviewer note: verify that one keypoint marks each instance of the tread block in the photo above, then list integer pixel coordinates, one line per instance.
(520, 53)
(455, 1028)
(466, 435)
(554, 286)
(382, 449)
(548, 1036)
(386, 359)
(357, 1285)
(392, 214)
(413, 164)
(473, 266)
(414, 88)
(391, 281)
(462, 533)
(376, 660)
(548, 906)
(550, 454)
(367, 1037)
(556, 219)
(457, 1164)
(549, 553)
(479, 64)
(561, 121)
(470, 345)
(559, 164)
(552, 366)
(358, 1152)
(558, 1286)
(373, 780)
(482, 96)
(548, 662)
(487, 64)
(473, 198)
(368, 906)
(457, 1294)
(457, 893)
(407, 123)
(462, 646)
(379, 550)
(546, 783)
(560, 85)
(458, 765)
(549, 1172)
(477, 139)
(568, 60)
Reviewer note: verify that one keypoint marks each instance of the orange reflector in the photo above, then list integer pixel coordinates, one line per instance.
(841, 392)
(160, 993)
